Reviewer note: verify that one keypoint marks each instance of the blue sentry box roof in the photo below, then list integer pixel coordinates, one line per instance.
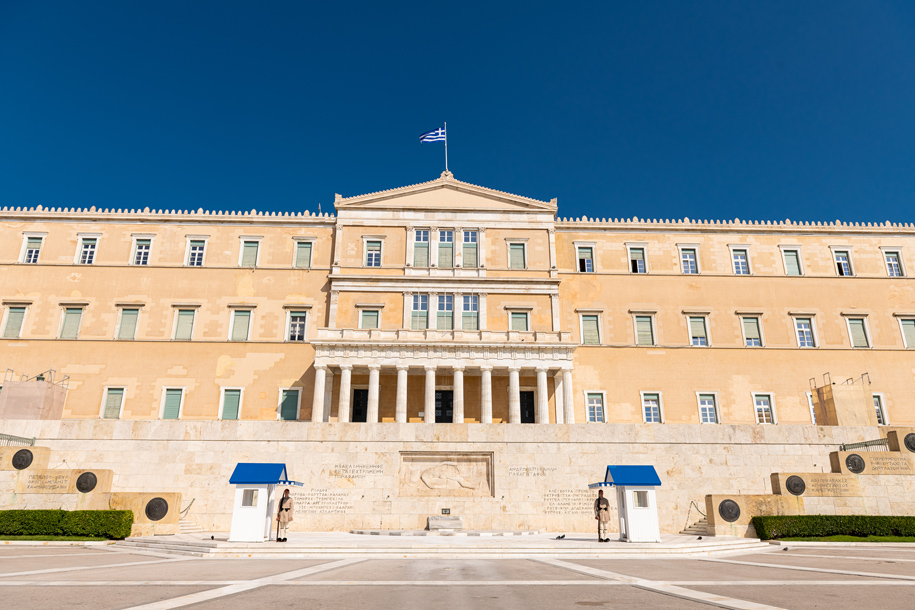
(260, 474)
(630, 476)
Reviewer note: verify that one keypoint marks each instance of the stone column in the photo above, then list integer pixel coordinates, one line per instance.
(328, 394)
(343, 410)
(481, 314)
(458, 395)
(400, 413)
(317, 405)
(433, 247)
(558, 398)
(514, 395)
(481, 247)
(411, 243)
(374, 379)
(568, 403)
(429, 403)
(458, 247)
(486, 395)
(407, 309)
(543, 405)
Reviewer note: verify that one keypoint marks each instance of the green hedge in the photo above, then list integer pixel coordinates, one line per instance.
(816, 526)
(112, 524)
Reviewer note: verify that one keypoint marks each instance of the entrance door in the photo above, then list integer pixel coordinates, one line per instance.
(444, 407)
(360, 405)
(527, 407)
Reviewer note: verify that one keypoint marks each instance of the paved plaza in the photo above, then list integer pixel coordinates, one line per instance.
(109, 578)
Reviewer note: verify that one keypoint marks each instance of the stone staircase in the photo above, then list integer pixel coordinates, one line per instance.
(699, 528)
(186, 526)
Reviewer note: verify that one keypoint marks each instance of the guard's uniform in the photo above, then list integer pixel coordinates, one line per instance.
(602, 513)
(284, 516)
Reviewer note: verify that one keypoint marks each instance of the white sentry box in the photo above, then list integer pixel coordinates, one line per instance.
(636, 501)
(255, 500)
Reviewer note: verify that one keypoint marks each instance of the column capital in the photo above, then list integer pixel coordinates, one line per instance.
(486, 368)
(482, 230)
(542, 369)
(346, 367)
(403, 367)
(374, 367)
(320, 367)
(430, 367)
(514, 369)
(458, 368)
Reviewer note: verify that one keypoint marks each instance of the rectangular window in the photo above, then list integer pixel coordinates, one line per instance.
(445, 312)
(640, 499)
(751, 335)
(195, 252)
(297, 326)
(595, 407)
(804, 328)
(231, 403)
(741, 262)
(637, 260)
(519, 321)
(688, 261)
(249, 254)
(14, 318)
(843, 262)
(368, 318)
(184, 325)
(471, 313)
(241, 320)
(249, 497)
(893, 264)
(87, 250)
(908, 333)
(651, 408)
(373, 254)
(421, 248)
(878, 406)
(289, 405)
(586, 259)
(813, 411)
(303, 255)
(446, 249)
(644, 333)
(114, 397)
(32, 250)
(72, 318)
(141, 250)
(792, 262)
(708, 410)
(172, 407)
(420, 312)
(127, 329)
(516, 256)
(470, 249)
(590, 329)
(763, 409)
(857, 332)
(697, 334)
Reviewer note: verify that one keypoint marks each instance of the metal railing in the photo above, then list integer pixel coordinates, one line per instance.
(881, 444)
(9, 440)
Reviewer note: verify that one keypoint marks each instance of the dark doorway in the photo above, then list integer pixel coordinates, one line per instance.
(527, 407)
(360, 405)
(444, 407)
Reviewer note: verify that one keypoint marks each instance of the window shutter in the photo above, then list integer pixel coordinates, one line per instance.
(172, 404)
(370, 319)
(33, 243)
(637, 254)
(128, 328)
(644, 334)
(469, 321)
(908, 331)
(445, 320)
(516, 260)
(303, 254)
(445, 255)
(421, 255)
(72, 318)
(249, 254)
(240, 325)
(420, 320)
(230, 402)
(751, 328)
(470, 255)
(697, 327)
(590, 330)
(289, 405)
(792, 262)
(519, 321)
(185, 326)
(858, 336)
(113, 403)
(14, 323)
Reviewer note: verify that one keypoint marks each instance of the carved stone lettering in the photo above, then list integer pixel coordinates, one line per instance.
(44, 482)
(355, 471)
(570, 502)
(322, 501)
(531, 471)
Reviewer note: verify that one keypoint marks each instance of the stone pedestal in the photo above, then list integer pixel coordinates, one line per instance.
(444, 522)
(730, 515)
(153, 513)
(815, 484)
(23, 458)
(902, 440)
(872, 462)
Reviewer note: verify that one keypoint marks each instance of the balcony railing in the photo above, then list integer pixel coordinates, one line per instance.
(381, 335)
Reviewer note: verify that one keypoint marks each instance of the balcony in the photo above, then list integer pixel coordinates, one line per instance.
(475, 337)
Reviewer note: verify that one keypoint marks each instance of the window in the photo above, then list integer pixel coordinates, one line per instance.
(881, 413)
(141, 250)
(804, 328)
(519, 321)
(114, 399)
(445, 312)
(908, 332)
(296, 326)
(14, 318)
(644, 333)
(637, 260)
(184, 325)
(249, 497)
(302, 255)
(843, 262)
(87, 247)
(248, 255)
(586, 259)
(590, 329)
(741, 262)
(127, 326)
(651, 408)
(792, 259)
(471, 312)
(421, 248)
(595, 407)
(195, 251)
(640, 499)
(446, 249)
(751, 333)
(688, 261)
(231, 403)
(470, 257)
(420, 312)
(289, 405)
(708, 409)
(32, 250)
(813, 411)
(517, 258)
(764, 413)
(893, 264)
(373, 253)
(697, 332)
(171, 403)
(857, 332)
(69, 329)
(241, 323)
(368, 318)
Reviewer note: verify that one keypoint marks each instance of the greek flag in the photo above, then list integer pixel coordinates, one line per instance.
(436, 135)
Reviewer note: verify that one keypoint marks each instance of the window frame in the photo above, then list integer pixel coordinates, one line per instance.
(242, 240)
(187, 250)
(717, 407)
(222, 402)
(178, 309)
(886, 251)
(7, 307)
(881, 396)
(63, 316)
(681, 248)
(165, 389)
(135, 239)
(705, 324)
(105, 389)
(581, 325)
(745, 248)
(80, 245)
(471, 300)
(377, 310)
(813, 330)
(512, 312)
(232, 313)
(603, 406)
(835, 250)
(812, 407)
(24, 250)
(438, 255)
(579, 245)
(117, 327)
(759, 326)
(290, 311)
(635, 328)
(439, 299)
(643, 246)
(416, 302)
(784, 248)
(905, 318)
(476, 246)
(427, 233)
(365, 251)
(772, 410)
(515, 241)
(867, 331)
(660, 396)
(279, 404)
(307, 239)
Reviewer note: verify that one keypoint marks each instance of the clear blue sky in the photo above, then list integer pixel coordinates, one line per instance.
(757, 110)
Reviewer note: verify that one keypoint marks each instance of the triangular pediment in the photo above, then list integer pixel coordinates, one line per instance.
(445, 193)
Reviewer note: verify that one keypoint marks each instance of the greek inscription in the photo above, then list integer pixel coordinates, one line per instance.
(531, 471)
(48, 483)
(889, 464)
(356, 471)
(322, 501)
(569, 502)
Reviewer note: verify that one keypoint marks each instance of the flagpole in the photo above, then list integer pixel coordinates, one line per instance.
(446, 146)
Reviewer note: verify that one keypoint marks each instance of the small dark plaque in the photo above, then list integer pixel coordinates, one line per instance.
(729, 511)
(795, 485)
(909, 441)
(156, 509)
(446, 511)
(86, 482)
(22, 459)
(855, 463)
